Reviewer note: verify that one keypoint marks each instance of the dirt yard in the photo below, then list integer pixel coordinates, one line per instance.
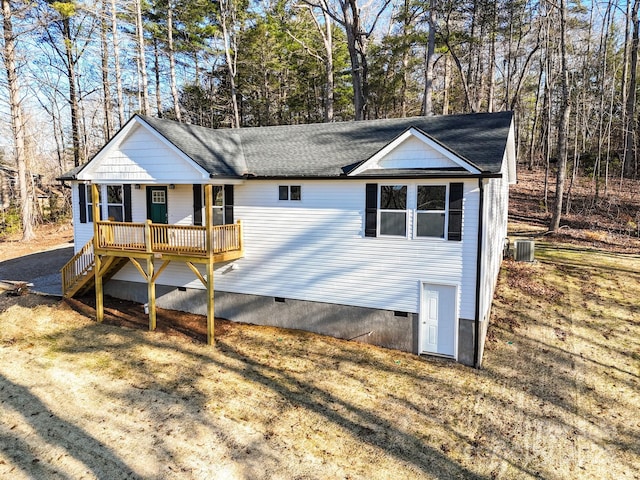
(558, 398)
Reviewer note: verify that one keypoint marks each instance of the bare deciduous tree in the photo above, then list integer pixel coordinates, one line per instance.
(17, 121)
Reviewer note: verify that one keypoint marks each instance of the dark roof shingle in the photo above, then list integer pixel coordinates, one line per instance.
(331, 149)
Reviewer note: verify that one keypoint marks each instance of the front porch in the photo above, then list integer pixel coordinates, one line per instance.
(150, 248)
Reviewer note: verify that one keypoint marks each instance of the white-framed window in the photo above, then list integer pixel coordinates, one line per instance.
(431, 211)
(392, 210)
(115, 203)
(218, 205)
(290, 192)
(90, 202)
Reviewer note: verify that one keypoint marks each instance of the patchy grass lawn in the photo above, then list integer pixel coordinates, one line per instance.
(558, 396)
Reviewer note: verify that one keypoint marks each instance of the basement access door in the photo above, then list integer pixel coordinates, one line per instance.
(439, 319)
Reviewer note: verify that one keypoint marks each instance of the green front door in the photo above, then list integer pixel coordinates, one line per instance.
(157, 204)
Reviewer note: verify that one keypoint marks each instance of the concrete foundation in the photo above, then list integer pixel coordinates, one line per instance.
(377, 327)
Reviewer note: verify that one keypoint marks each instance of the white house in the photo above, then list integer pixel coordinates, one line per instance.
(388, 232)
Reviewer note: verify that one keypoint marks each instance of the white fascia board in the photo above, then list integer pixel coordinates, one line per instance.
(412, 132)
(86, 173)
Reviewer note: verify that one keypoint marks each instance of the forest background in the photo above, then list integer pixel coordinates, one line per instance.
(74, 72)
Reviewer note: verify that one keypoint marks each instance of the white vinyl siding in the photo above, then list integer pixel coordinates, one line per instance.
(316, 250)
(414, 153)
(143, 158)
(82, 232)
(496, 205)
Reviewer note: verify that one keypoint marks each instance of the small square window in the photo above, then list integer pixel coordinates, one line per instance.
(290, 192)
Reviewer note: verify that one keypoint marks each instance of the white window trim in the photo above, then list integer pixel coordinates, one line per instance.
(446, 213)
(380, 210)
(217, 207)
(289, 199)
(105, 192)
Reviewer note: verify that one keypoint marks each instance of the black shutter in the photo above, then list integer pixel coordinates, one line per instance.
(197, 204)
(228, 204)
(82, 195)
(456, 192)
(371, 210)
(127, 203)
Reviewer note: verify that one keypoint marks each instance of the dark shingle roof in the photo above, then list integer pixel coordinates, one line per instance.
(332, 149)
(217, 151)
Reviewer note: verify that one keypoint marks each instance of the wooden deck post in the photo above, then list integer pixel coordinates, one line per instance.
(151, 293)
(208, 202)
(95, 211)
(99, 290)
(210, 305)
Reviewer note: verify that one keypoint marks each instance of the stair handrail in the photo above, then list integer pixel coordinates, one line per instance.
(79, 265)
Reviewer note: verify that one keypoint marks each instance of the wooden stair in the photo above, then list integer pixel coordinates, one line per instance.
(78, 275)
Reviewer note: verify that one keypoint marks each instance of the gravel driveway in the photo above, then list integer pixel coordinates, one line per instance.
(42, 269)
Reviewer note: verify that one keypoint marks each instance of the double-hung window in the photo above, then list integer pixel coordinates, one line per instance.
(393, 210)
(436, 211)
(115, 203)
(431, 211)
(218, 205)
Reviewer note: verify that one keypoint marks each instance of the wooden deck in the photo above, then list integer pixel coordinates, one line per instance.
(189, 244)
(194, 243)
(150, 248)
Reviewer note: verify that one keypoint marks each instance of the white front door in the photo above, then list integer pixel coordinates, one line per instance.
(438, 319)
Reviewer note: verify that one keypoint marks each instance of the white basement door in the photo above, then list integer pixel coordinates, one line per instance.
(438, 319)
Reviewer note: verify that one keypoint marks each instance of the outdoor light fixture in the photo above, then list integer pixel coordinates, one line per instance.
(172, 186)
(137, 186)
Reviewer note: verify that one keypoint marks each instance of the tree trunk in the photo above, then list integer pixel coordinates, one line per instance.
(351, 27)
(144, 106)
(430, 62)
(327, 40)
(492, 61)
(630, 141)
(328, 69)
(226, 11)
(73, 96)
(156, 63)
(17, 122)
(563, 128)
(116, 61)
(447, 85)
(106, 86)
(172, 63)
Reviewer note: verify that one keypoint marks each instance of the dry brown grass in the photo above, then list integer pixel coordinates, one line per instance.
(558, 396)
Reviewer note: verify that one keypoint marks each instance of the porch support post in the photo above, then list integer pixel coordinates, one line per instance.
(210, 304)
(208, 202)
(151, 293)
(95, 211)
(98, 286)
